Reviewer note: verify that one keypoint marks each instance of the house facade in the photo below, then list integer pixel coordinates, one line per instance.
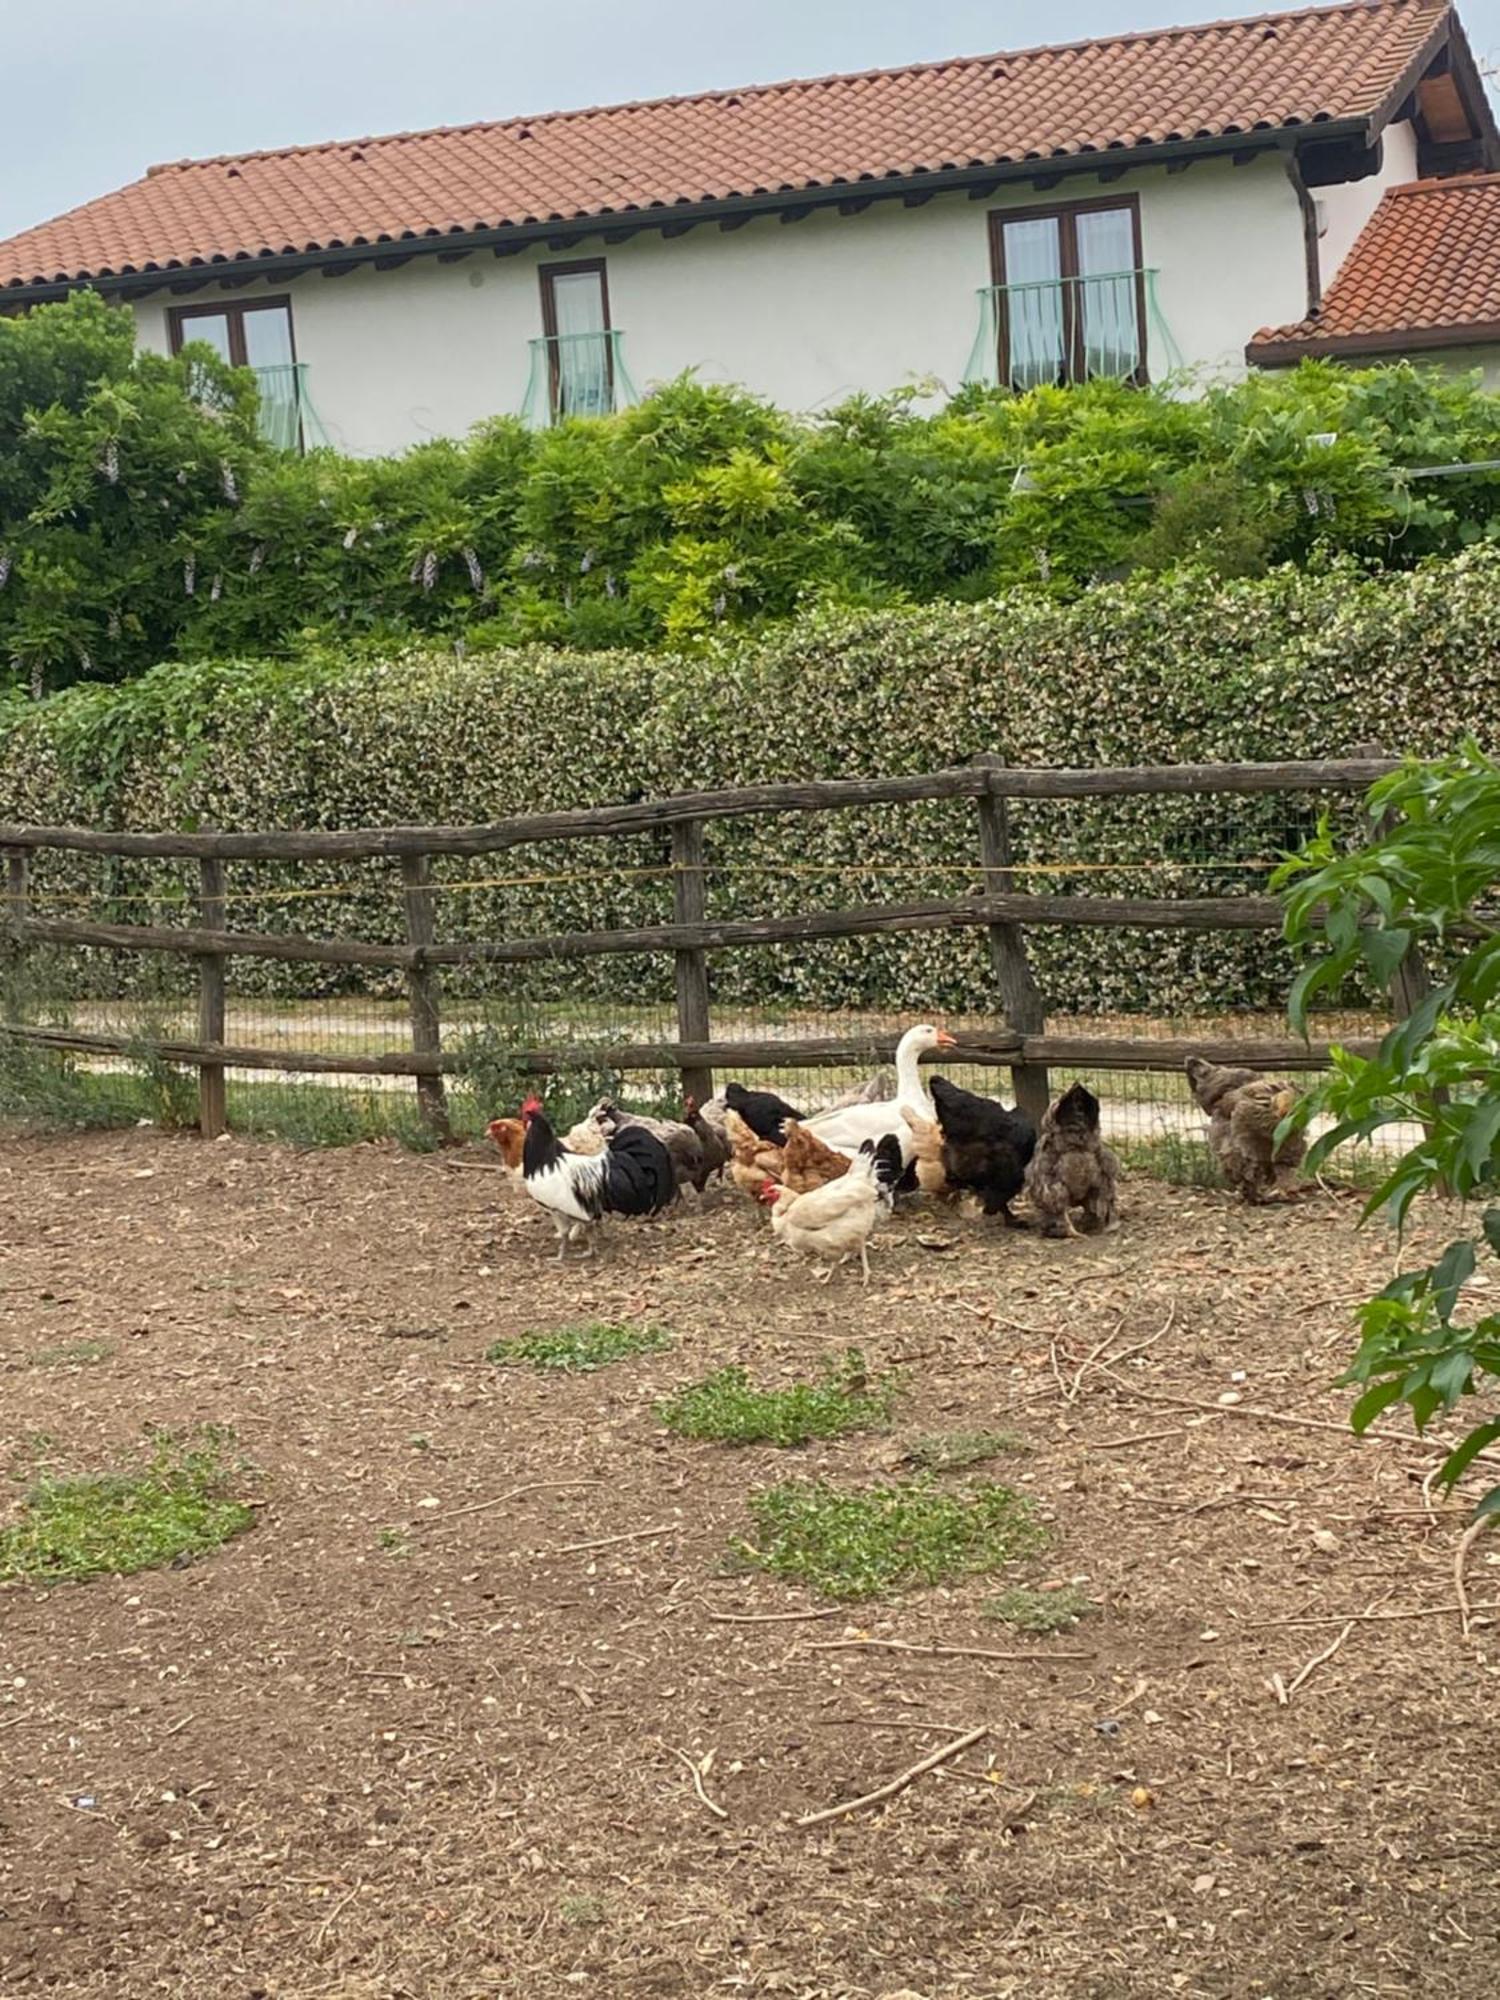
(1132, 208)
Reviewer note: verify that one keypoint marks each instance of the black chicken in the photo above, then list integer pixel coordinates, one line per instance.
(762, 1110)
(986, 1147)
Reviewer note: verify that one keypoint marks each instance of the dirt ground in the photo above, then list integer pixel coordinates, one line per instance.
(412, 1739)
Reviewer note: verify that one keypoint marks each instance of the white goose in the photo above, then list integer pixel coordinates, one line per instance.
(847, 1128)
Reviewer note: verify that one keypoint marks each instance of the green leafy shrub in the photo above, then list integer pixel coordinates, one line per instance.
(1167, 670)
(859, 1544)
(1425, 879)
(172, 1509)
(727, 1408)
(141, 518)
(1040, 1611)
(578, 1350)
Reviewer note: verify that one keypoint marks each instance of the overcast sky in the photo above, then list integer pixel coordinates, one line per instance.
(98, 90)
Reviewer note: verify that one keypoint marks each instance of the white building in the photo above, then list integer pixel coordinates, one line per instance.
(1128, 207)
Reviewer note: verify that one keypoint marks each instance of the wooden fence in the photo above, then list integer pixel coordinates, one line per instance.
(1019, 1040)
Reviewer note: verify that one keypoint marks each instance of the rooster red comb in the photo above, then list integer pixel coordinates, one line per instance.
(532, 1105)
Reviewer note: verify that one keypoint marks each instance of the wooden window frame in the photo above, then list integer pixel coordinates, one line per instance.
(1063, 213)
(547, 274)
(234, 311)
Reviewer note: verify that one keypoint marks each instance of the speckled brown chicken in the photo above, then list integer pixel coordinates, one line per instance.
(1072, 1168)
(1244, 1109)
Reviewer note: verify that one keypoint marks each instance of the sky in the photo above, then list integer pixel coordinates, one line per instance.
(98, 90)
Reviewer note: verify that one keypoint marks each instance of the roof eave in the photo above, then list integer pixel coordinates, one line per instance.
(1391, 340)
(954, 180)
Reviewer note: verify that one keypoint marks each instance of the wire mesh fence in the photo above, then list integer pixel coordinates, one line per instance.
(1145, 982)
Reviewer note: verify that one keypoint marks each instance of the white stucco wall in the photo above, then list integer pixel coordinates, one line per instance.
(1344, 211)
(805, 313)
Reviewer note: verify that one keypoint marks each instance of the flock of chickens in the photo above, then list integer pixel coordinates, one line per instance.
(829, 1179)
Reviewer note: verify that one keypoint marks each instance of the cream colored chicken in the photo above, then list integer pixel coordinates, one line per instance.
(834, 1222)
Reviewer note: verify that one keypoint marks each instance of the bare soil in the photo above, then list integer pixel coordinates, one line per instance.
(411, 1739)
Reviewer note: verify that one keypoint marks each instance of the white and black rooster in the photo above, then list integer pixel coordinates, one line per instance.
(632, 1176)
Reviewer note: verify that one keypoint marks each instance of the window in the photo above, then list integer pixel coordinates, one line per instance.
(1070, 290)
(579, 341)
(258, 335)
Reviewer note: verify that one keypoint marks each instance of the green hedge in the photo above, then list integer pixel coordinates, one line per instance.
(1181, 669)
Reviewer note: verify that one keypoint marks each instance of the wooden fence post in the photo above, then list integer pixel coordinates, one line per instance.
(17, 893)
(213, 1115)
(426, 1026)
(1020, 996)
(690, 906)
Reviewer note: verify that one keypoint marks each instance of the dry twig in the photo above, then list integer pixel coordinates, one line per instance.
(770, 1617)
(899, 1782)
(697, 1771)
(609, 1541)
(537, 1486)
(945, 1652)
(339, 1907)
(1466, 1542)
(1318, 1658)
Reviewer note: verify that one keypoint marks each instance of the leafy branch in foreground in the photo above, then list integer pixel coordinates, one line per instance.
(1427, 880)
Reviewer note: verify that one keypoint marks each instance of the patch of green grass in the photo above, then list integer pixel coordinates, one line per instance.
(1040, 1610)
(850, 1545)
(583, 1912)
(73, 1354)
(1174, 1158)
(577, 1349)
(956, 1451)
(393, 1542)
(174, 1507)
(726, 1407)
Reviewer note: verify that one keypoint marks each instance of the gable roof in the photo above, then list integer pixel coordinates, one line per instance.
(1250, 79)
(1424, 272)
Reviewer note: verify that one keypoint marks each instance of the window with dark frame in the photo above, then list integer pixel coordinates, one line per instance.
(580, 344)
(252, 333)
(1070, 292)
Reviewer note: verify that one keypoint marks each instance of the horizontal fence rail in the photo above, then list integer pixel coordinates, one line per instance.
(1019, 1041)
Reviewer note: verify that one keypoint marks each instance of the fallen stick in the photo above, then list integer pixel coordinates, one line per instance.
(770, 1617)
(538, 1486)
(1141, 1437)
(609, 1541)
(1427, 1444)
(341, 1905)
(1278, 1688)
(898, 1783)
(1364, 1617)
(697, 1774)
(946, 1652)
(1070, 1395)
(1318, 1658)
(1466, 1542)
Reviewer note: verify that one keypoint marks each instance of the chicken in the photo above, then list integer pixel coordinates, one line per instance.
(927, 1160)
(632, 1176)
(762, 1110)
(834, 1222)
(985, 1146)
(806, 1163)
(587, 1136)
(508, 1135)
(877, 1089)
(1072, 1168)
(1244, 1108)
(713, 1139)
(753, 1160)
(681, 1141)
(852, 1123)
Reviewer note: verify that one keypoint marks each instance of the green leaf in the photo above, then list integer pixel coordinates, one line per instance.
(1371, 1404)
(1490, 1222)
(1457, 1463)
(1385, 950)
(1490, 1504)
(1451, 1272)
(1450, 1375)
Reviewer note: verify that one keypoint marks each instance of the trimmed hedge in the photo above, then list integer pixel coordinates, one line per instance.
(1181, 669)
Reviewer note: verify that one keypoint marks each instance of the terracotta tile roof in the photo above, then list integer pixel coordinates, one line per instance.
(1425, 271)
(1170, 86)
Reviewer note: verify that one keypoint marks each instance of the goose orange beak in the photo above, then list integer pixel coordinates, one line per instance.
(945, 1040)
